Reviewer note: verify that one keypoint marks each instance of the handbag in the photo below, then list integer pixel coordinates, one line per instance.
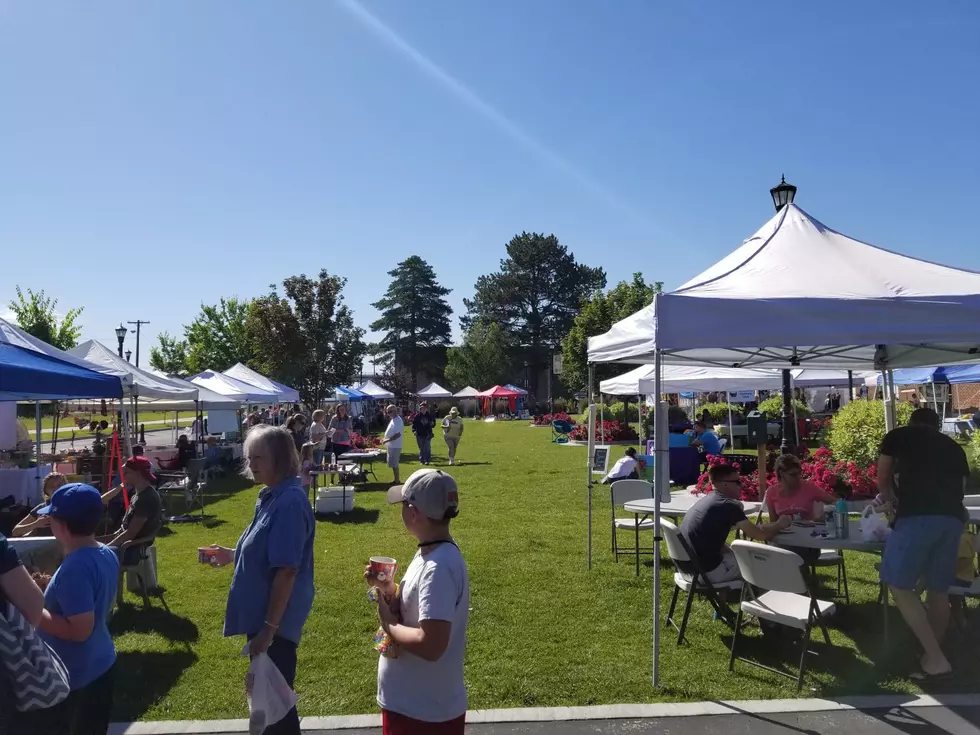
(38, 677)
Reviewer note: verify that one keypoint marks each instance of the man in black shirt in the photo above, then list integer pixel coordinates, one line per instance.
(709, 522)
(922, 476)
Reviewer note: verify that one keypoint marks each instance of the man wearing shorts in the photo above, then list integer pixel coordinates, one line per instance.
(922, 475)
(393, 439)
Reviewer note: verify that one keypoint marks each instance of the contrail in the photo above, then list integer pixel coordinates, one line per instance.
(471, 99)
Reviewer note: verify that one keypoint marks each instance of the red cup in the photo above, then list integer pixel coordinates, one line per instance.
(382, 568)
(206, 555)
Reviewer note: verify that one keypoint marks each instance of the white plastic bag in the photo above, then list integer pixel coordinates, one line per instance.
(269, 696)
(874, 525)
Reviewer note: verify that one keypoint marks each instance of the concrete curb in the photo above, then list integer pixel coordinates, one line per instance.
(567, 714)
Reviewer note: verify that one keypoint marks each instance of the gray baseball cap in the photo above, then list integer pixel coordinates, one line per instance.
(431, 491)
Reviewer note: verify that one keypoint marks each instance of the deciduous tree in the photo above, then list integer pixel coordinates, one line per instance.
(36, 315)
(217, 338)
(482, 360)
(170, 355)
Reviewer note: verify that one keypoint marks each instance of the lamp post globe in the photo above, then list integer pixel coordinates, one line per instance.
(129, 354)
(782, 194)
(121, 335)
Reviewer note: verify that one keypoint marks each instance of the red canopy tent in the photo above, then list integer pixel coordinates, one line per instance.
(498, 391)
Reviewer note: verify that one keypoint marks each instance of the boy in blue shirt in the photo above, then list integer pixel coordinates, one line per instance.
(77, 602)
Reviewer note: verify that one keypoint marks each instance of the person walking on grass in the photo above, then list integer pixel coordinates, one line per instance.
(452, 432)
(393, 438)
(421, 691)
(922, 475)
(422, 425)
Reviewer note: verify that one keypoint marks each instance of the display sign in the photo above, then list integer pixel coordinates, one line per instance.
(557, 363)
(741, 396)
(600, 459)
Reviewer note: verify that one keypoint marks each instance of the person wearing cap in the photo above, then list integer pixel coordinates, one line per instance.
(452, 432)
(272, 590)
(144, 517)
(422, 425)
(422, 691)
(394, 435)
(77, 603)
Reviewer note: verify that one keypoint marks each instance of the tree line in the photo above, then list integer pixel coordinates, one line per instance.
(539, 302)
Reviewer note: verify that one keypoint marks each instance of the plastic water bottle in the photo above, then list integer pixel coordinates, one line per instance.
(840, 518)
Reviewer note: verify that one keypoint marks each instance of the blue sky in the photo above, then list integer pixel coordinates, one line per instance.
(161, 154)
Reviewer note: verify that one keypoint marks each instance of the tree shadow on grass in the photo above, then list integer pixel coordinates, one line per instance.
(355, 517)
(136, 619)
(144, 678)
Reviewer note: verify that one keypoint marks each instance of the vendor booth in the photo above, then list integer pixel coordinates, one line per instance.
(881, 310)
(375, 392)
(434, 391)
(245, 374)
(491, 395)
(233, 388)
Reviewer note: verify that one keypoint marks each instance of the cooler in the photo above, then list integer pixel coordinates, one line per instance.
(334, 500)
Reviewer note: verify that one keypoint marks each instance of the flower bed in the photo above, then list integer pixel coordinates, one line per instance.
(846, 479)
(364, 441)
(547, 418)
(613, 431)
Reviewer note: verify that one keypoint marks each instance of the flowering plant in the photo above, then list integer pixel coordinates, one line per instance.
(612, 430)
(547, 418)
(364, 441)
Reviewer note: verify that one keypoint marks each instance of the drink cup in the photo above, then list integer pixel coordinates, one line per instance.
(206, 555)
(382, 568)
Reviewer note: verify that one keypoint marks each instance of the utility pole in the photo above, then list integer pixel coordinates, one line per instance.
(139, 323)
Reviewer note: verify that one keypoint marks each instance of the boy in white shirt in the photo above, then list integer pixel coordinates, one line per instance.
(421, 691)
(394, 435)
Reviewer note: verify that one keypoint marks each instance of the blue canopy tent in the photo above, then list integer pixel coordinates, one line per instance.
(963, 374)
(352, 396)
(26, 375)
(919, 376)
(521, 400)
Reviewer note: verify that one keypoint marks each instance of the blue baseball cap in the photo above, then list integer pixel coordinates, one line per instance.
(75, 501)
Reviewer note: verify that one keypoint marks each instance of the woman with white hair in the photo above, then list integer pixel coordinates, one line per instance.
(272, 587)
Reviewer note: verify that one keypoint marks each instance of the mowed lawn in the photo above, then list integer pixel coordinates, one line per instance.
(544, 631)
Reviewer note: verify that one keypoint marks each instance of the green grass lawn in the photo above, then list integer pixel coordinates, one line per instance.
(543, 631)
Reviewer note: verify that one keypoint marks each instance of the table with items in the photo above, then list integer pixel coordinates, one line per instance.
(38, 553)
(23, 485)
(363, 458)
(332, 499)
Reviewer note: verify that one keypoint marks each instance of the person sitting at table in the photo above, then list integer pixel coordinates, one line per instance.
(213, 454)
(33, 524)
(709, 522)
(792, 496)
(624, 469)
(706, 439)
(144, 517)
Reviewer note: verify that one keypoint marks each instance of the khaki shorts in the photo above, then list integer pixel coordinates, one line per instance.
(394, 454)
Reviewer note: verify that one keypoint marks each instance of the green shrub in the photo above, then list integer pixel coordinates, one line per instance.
(560, 405)
(718, 411)
(772, 407)
(619, 411)
(857, 430)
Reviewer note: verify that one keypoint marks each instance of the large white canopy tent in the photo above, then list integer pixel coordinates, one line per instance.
(880, 309)
(434, 390)
(247, 375)
(467, 392)
(375, 392)
(233, 388)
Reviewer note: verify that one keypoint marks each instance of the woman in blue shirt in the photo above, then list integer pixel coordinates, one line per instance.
(272, 588)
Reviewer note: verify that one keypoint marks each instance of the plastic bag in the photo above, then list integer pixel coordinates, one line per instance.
(269, 696)
(874, 525)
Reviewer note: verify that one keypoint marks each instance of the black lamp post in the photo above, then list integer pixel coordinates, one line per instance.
(782, 195)
(129, 354)
(121, 335)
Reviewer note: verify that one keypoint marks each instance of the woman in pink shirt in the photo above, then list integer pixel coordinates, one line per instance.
(792, 496)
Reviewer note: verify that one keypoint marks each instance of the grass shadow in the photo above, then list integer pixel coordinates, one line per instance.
(144, 678)
(135, 619)
(355, 517)
(372, 487)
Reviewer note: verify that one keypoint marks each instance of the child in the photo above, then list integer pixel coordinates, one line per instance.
(306, 464)
(33, 524)
(422, 689)
(77, 602)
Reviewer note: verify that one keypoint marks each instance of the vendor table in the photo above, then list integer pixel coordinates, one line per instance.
(23, 485)
(344, 472)
(685, 465)
(38, 553)
(362, 458)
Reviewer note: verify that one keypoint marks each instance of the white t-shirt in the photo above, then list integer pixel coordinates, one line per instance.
(435, 587)
(395, 426)
(624, 467)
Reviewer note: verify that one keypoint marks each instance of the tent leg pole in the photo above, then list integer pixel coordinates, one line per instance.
(37, 452)
(588, 465)
(660, 453)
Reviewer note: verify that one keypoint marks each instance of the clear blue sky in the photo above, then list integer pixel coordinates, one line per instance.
(158, 154)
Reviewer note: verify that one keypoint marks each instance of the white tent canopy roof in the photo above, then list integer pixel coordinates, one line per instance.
(232, 388)
(162, 393)
(467, 392)
(241, 372)
(687, 378)
(762, 307)
(434, 390)
(376, 392)
(208, 399)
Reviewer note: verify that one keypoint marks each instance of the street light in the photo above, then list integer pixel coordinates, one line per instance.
(783, 194)
(121, 335)
(129, 353)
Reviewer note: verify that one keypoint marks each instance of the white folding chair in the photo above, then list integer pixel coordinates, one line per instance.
(690, 578)
(622, 492)
(722, 443)
(785, 598)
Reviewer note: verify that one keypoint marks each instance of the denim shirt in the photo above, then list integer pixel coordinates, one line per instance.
(280, 536)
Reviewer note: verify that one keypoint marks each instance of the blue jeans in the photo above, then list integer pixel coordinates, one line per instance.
(425, 449)
(922, 548)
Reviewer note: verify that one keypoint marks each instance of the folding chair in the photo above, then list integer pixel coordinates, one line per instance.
(138, 568)
(622, 492)
(692, 580)
(960, 593)
(190, 484)
(560, 430)
(786, 598)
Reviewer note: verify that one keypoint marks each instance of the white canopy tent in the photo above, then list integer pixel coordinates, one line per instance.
(233, 388)
(241, 372)
(375, 391)
(434, 390)
(467, 392)
(880, 309)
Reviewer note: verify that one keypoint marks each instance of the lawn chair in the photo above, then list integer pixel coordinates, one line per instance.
(190, 484)
(139, 568)
(560, 429)
(692, 580)
(786, 598)
(620, 493)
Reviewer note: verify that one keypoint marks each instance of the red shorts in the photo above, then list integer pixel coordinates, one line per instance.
(396, 724)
